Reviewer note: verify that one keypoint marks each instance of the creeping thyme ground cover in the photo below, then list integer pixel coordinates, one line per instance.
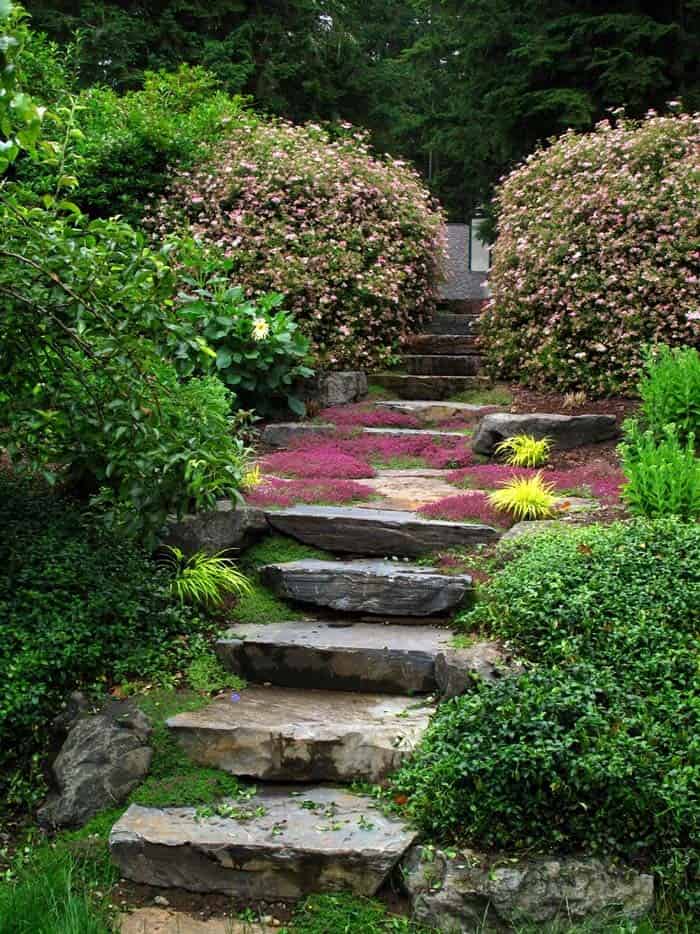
(597, 255)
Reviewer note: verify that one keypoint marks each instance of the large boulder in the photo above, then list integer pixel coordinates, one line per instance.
(467, 892)
(104, 758)
(228, 527)
(565, 431)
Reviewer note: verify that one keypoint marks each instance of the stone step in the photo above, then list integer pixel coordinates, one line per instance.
(445, 323)
(279, 845)
(349, 656)
(441, 344)
(441, 364)
(365, 531)
(408, 386)
(435, 410)
(379, 588)
(286, 735)
(284, 434)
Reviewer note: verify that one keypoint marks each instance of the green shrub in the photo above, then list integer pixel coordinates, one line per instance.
(129, 144)
(663, 473)
(353, 242)
(596, 256)
(598, 748)
(80, 607)
(670, 391)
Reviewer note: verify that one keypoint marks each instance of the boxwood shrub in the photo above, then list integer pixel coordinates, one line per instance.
(597, 747)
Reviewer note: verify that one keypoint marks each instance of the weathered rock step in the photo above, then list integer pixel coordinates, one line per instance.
(408, 386)
(282, 846)
(282, 434)
(435, 410)
(378, 588)
(287, 735)
(349, 656)
(441, 344)
(364, 531)
(446, 323)
(441, 364)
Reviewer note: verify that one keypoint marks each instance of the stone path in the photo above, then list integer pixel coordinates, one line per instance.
(344, 697)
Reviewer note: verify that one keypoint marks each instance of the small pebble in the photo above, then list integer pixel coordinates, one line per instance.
(161, 900)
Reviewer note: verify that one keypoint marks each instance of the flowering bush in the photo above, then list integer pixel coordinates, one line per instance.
(597, 255)
(353, 242)
(367, 416)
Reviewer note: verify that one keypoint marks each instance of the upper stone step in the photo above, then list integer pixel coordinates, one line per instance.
(278, 845)
(408, 386)
(441, 344)
(441, 364)
(281, 734)
(348, 656)
(445, 323)
(384, 532)
(435, 411)
(378, 588)
(282, 434)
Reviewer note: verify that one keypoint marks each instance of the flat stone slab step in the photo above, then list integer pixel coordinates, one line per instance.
(287, 735)
(279, 845)
(360, 531)
(435, 410)
(379, 588)
(441, 344)
(565, 431)
(446, 323)
(337, 656)
(441, 364)
(284, 434)
(409, 386)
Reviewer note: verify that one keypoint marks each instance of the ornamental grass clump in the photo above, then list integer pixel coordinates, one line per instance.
(203, 579)
(596, 256)
(525, 498)
(525, 450)
(355, 243)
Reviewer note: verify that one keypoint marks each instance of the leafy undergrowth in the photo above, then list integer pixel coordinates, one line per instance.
(261, 605)
(273, 491)
(467, 507)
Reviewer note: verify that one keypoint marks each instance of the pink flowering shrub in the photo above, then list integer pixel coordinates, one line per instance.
(273, 491)
(602, 480)
(317, 460)
(426, 450)
(367, 416)
(466, 506)
(488, 476)
(597, 255)
(355, 243)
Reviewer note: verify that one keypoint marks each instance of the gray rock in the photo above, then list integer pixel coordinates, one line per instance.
(280, 734)
(373, 587)
(336, 388)
(299, 842)
(361, 531)
(458, 670)
(102, 760)
(435, 411)
(467, 893)
(282, 434)
(441, 344)
(425, 364)
(565, 431)
(228, 527)
(338, 656)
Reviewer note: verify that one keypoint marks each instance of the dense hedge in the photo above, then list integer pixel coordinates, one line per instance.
(353, 242)
(79, 606)
(597, 255)
(598, 747)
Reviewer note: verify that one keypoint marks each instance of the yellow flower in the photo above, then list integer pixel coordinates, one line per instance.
(261, 329)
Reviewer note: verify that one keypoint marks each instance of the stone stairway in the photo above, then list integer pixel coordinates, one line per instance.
(338, 699)
(442, 362)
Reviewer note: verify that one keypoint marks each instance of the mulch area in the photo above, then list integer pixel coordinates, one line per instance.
(530, 400)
